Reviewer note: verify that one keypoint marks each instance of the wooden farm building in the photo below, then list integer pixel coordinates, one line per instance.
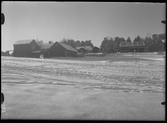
(24, 48)
(32, 48)
(132, 47)
(58, 49)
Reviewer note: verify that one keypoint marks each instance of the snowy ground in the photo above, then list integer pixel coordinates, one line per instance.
(106, 89)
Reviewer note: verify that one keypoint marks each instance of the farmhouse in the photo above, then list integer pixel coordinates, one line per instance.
(132, 47)
(24, 48)
(32, 48)
(83, 49)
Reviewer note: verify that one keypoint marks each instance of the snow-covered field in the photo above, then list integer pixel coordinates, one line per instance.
(76, 89)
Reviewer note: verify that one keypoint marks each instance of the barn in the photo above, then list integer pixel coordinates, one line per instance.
(60, 50)
(132, 47)
(56, 49)
(24, 48)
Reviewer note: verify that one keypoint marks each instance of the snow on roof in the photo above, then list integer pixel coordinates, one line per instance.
(23, 42)
(68, 47)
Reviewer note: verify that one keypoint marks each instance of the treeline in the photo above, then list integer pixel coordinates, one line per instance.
(111, 45)
(77, 43)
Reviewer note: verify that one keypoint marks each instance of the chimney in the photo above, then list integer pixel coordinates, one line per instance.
(50, 42)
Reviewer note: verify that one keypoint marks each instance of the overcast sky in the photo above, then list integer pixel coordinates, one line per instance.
(79, 21)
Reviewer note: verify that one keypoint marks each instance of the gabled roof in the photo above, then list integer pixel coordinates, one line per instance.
(67, 47)
(23, 41)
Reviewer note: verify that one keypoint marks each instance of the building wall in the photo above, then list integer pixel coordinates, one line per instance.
(17, 51)
(22, 50)
(26, 50)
